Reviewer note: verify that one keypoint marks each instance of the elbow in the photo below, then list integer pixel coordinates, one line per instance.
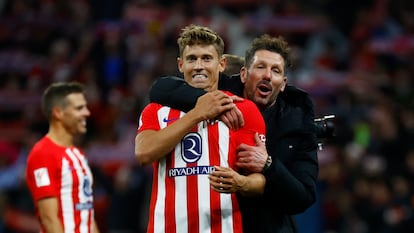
(142, 157)
(302, 204)
(143, 151)
(307, 204)
(49, 220)
(143, 154)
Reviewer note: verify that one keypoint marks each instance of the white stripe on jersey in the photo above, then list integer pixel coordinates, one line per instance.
(159, 209)
(80, 165)
(160, 201)
(180, 193)
(83, 197)
(163, 114)
(204, 184)
(224, 144)
(66, 194)
(225, 199)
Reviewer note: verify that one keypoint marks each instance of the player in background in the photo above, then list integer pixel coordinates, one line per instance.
(57, 172)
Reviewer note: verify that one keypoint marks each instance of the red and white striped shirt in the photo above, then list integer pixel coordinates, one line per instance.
(182, 200)
(62, 172)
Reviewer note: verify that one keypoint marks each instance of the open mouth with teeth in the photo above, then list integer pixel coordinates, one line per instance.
(264, 89)
(199, 77)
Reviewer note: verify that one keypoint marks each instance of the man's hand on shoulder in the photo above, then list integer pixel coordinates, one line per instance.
(234, 117)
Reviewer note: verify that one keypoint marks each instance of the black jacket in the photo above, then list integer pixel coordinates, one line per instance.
(290, 140)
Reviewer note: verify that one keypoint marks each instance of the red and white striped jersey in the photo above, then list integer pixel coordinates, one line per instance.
(182, 200)
(62, 172)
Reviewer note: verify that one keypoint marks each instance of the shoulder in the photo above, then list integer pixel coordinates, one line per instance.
(154, 116)
(43, 153)
(231, 83)
(296, 97)
(245, 105)
(152, 108)
(152, 113)
(253, 118)
(41, 147)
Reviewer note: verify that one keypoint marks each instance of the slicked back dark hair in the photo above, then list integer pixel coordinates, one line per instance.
(274, 44)
(56, 93)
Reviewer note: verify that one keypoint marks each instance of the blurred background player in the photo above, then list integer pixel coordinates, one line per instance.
(57, 172)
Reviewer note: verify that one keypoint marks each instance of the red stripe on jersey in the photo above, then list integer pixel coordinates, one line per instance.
(192, 203)
(75, 178)
(214, 196)
(154, 195)
(193, 200)
(170, 186)
(169, 204)
(75, 195)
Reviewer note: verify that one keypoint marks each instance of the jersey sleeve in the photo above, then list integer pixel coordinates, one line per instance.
(149, 118)
(43, 175)
(253, 123)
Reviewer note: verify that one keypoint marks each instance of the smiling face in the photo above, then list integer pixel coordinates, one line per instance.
(74, 113)
(264, 79)
(201, 66)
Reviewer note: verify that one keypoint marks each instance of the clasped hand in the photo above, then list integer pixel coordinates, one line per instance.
(226, 180)
(250, 159)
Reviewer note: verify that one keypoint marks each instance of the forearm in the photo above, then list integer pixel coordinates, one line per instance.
(51, 225)
(226, 180)
(254, 185)
(151, 145)
(48, 214)
(174, 92)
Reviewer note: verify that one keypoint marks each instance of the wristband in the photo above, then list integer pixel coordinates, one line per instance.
(267, 164)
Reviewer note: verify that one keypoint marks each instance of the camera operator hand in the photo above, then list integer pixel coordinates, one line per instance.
(252, 158)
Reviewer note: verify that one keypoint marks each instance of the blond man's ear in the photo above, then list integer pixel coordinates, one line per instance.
(223, 63)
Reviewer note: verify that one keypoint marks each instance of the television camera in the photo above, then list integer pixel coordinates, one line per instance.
(325, 128)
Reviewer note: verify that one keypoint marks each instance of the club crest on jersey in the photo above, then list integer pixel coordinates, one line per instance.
(87, 187)
(191, 147)
(262, 138)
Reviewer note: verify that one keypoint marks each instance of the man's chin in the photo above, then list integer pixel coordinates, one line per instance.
(203, 86)
(261, 102)
(198, 85)
(82, 131)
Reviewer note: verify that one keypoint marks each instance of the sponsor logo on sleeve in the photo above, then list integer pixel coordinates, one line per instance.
(262, 138)
(41, 177)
